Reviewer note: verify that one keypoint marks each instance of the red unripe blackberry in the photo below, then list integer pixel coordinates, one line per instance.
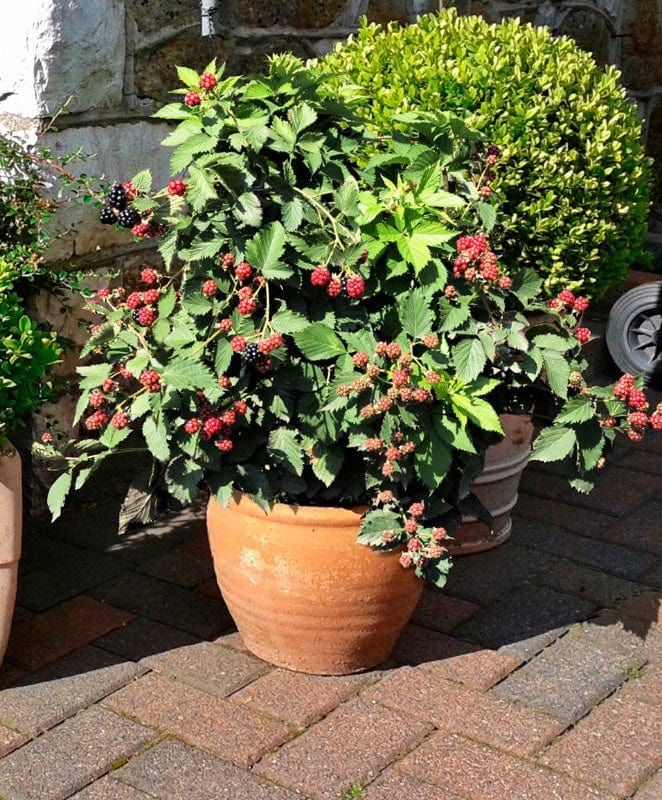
(151, 380)
(432, 377)
(264, 347)
(119, 420)
(491, 160)
(97, 399)
(245, 293)
(246, 307)
(580, 305)
(566, 297)
(388, 469)
(103, 293)
(388, 537)
(393, 350)
(400, 377)
(413, 545)
(140, 230)
(334, 288)
(224, 445)
(421, 395)
(275, 340)
(224, 382)
(149, 276)
(263, 364)
(207, 80)
(384, 404)
(430, 340)
(134, 301)
(407, 448)
(343, 390)
(554, 303)
(392, 453)
(470, 274)
(504, 282)
(367, 411)
(176, 187)
(209, 288)
(450, 292)
(211, 426)
(145, 316)
(609, 422)
(490, 272)
(192, 99)
(638, 419)
(360, 359)
(240, 407)
(405, 360)
(373, 445)
(238, 343)
(380, 348)
(637, 399)
(363, 257)
(192, 425)
(124, 372)
(406, 394)
(109, 386)
(435, 551)
(582, 335)
(355, 287)
(439, 533)
(320, 276)
(228, 418)
(224, 324)
(655, 421)
(406, 560)
(372, 370)
(635, 435)
(151, 296)
(485, 192)
(130, 189)
(227, 260)
(96, 421)
(385, 496)
(46, 437)
(243, 271)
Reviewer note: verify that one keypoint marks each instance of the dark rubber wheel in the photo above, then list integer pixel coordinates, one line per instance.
(634, 332)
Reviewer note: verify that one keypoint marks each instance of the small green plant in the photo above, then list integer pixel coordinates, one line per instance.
(355, 792)
(573, 180)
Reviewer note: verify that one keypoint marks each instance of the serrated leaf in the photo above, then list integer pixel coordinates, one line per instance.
(196, 304)
(111, 437)
(189, 77)
(93, 374)
(347, 198)
(434, 460)
(301, 116)
(57, 494)
(478, 411)
(526, 284)
(172, 111)
(155, 434)
(327, 461)
(140, 406)
(415, 314)
(557, 372)
(199, 142)
(552, 341)
(182, 373)
(318, 342)
(375, 524)
(469, 357)
(265, 250)
(292, 213)
(183, 478)
(553, 444)
(285, 448)
(200, 188)
(487, 214)
(248, 209)
(286, 321)
(577, 409)
(142, 181)
(141, 503)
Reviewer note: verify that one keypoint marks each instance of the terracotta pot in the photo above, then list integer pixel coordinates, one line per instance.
(496, 487)
(303, 594)
(11, 519)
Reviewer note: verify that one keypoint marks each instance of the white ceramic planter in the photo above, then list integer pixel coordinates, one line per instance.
(11, 520)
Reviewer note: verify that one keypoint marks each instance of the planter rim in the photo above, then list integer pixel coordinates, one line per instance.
(297, 514)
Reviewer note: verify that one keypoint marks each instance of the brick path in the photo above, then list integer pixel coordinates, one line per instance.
(536, 674)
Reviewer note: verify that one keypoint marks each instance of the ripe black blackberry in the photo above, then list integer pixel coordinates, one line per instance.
(343, 287)
(128, 218)
(107, 216)
(117, 197)
(250, 353)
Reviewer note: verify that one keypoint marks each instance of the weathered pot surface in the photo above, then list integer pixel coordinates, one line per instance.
(11, 519)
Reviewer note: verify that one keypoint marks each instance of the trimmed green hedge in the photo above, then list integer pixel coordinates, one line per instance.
(573, 178)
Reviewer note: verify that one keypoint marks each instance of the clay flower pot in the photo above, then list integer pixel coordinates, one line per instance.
(11, 510)
(303, 594)
(496, 487)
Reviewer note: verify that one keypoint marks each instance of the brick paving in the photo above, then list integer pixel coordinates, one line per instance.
(536, 673)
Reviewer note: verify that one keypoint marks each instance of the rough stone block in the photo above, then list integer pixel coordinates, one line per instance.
(107, 788)
(144, 637)
(392, 784)
(442, 612)
(10, 741)
(351, 745)
(57, 764)
(566, 576)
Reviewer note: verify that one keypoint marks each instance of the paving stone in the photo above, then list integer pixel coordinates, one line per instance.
(451, 658)
(610, 558)
(644, 685)
(51, 635)
(477, 772)
(232, 640)
(209, 588)
(617, 492)
(39, 550)
(501, 569)
(611, 629)
(224, 729)
(569, 677)
(217, 670)
(566, 576)
(167, 603)
(525, 620)
(10, 740)
(9, 674)
(442, 612)
(21, 614)
(61, 580)
(65, 686)
(172, 770)
(180, 566)
(653, 577)
(351, 745)
(645, 606)
(107, 788)
(652, 789)
(542, 483)
(393, 785)
(66, 759)
(299, 699)
(480, 716)
(617, 746)
(143, 637)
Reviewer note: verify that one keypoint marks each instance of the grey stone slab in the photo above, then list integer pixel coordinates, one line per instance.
(525, 620)
(172, 770)
(214, 669)
(144, 637)
(482, 577)
(64, 760)
(60, 580)
(173, 605)
(610, 558)
(568, 678)
(180, 566)
(107, 788)
(566, 576)
(45, 698)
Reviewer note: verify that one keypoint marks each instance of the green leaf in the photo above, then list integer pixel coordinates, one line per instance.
(557, 372)
(375, 524)
(223, 356)
(552, 341)
(265, 250)
(327, 461)
(172, 111)
(434, 460)
(286, 321)
(415, 314)
(189, 77)
(301, 116)
(143, 181)
(167, 303)
(248, 209)
(577, 409)
(57, 494)
(553, 444)
(183, 373)
(318, 342)
(478, 411)
(200, 188)
(183, 478)
(156, 437)
(196, 304)
(488, 215)
(285, 448)
(292, 213)
(469, 357)
(526, 284)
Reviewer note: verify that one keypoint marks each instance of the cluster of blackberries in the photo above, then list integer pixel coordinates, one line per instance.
(117, 211)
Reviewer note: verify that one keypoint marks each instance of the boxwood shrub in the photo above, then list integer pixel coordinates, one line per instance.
(573, 178)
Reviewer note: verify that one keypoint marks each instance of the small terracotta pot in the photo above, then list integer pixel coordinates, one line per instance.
(11, 519)
(496, 487)
(303, 594)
